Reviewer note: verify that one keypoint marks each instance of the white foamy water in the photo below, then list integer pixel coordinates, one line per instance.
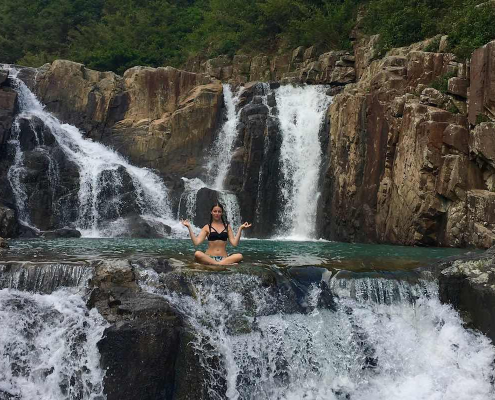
(362, 350)
(100, 168)
(48, 346)
(301, 111)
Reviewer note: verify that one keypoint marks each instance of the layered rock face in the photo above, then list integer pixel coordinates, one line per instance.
(302, 65)
(159, 118)
(406, 166)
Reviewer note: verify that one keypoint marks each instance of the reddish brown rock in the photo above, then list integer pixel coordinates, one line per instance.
(482, 142)
(432, 97)
(458, 86)
(400, 170)
(260, 69)
(219, 68)
(424, 67)
(8, 101)
(481, 218)
(88, 102)
(457, 136)
(174, 142)
(481, 98)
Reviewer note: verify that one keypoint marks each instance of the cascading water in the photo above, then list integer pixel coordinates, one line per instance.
(408, 347)
(301, 111)
(48, 341)
(102, 173)
(221, 152)
(218, 165)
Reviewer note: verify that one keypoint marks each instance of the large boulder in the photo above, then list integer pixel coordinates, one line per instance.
(139, 348)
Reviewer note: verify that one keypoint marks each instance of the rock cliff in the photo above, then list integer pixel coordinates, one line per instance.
(408, 163)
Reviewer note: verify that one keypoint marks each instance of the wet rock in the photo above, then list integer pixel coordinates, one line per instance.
(139, 348)
(254, 174)
(61, 233)
(469, 285)
(334, 90)
(8, 222)
(139, 352)
(138, 227)
(8, 108)
(34, 133)
(3, 243)
(205, 199)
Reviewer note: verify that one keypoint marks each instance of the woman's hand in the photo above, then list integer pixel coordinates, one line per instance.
(245, 225)
(185, 222)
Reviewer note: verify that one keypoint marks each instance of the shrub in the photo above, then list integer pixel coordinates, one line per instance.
(442, 82)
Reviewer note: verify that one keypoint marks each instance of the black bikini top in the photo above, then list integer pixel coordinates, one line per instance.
(215, 235)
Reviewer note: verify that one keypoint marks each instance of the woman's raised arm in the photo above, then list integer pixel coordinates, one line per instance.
(234, 241)
(195, 239)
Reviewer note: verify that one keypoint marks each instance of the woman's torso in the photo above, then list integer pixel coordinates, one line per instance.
(218, 246)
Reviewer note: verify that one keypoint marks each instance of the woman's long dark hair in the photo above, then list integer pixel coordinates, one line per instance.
(224, 217)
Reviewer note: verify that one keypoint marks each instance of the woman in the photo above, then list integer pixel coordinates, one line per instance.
(217, 232)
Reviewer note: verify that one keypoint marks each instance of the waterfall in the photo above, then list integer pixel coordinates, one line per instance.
(301, 111)
(221, 151)
(48, 337)
(43, 277)
(404, 348)
(220, 157)
(105, 177)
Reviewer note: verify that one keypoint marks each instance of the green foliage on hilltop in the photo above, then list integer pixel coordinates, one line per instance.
(117, 34)
(468, 23)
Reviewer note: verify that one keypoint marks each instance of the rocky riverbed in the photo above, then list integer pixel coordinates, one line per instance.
(149, 349)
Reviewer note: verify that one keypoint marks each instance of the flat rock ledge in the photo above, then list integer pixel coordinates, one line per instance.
(468, 284)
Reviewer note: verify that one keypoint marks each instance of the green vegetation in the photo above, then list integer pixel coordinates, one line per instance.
(442, 82)
(468, 23)
(117, 34)
(480, 118)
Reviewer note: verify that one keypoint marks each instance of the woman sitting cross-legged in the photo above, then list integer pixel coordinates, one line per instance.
(217, 232)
